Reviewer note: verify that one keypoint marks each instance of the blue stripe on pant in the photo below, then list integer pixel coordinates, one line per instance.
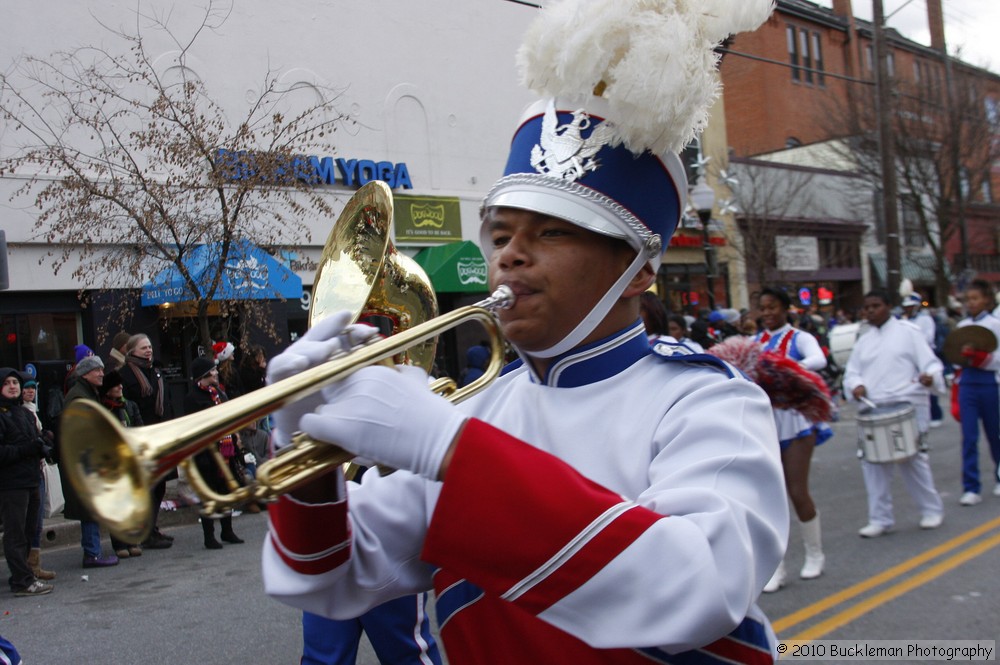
(978, 401)
(392, 629)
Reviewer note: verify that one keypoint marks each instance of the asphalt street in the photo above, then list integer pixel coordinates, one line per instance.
(191, 605)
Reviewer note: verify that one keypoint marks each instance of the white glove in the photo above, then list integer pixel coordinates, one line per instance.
(330, 336)
(388, 415)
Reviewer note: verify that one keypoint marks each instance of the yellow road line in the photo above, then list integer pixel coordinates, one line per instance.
(808, 612)
(850, 614)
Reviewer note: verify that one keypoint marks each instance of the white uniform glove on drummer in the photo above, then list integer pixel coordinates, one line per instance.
(330, 336)
(388, 415)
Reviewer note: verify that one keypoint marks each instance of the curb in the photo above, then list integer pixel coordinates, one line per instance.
(176, 509)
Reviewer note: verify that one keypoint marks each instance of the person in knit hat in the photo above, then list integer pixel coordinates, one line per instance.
(80, 351)
(205, 393)
(21, 450)
(29, 399)
(89, 373)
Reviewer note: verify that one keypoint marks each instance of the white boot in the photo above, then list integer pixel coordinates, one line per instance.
(811, 539)
(777, 580)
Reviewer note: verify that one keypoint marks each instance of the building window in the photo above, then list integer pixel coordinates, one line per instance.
(793, 52)
(869, 58)
(806, 60)
(913, 232)
(817, 56)
(805, 54)
(890, 64)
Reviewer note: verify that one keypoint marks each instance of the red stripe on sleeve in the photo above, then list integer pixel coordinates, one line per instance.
(592, 557)
(507, 507)
(310, 538)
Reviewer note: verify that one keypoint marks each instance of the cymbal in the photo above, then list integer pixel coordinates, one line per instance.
(979, 337)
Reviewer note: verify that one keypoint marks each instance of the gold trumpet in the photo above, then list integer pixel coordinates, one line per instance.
(113, 468)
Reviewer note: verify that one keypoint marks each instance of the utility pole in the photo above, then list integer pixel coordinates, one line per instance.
(887, 150)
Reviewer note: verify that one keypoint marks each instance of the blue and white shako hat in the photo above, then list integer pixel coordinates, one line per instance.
(563, 162)
(625, 85)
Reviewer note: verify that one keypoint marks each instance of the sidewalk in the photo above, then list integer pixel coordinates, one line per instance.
(175, 509)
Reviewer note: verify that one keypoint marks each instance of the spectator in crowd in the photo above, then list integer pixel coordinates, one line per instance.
(117, 355)
(21, 450)
(253, 369)
(29, 395)
(654, 315)
(90, 378)
(893, 363)
(477, 359)
(677, 328)
(229, 375)
(80, 351)
(142, 383)
(127, 413)
(205, 392)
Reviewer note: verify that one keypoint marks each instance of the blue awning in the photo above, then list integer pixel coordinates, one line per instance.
(250, 273)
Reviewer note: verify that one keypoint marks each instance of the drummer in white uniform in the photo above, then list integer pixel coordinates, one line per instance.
(893, 363)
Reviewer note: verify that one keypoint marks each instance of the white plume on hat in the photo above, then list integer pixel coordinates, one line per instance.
(655, 59)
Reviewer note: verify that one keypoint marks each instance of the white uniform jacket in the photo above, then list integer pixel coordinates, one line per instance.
(888, 361)
(622, 509)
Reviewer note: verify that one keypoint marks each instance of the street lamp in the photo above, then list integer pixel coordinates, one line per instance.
(703, 200)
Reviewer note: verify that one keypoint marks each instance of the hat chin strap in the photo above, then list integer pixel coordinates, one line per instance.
(596, 315)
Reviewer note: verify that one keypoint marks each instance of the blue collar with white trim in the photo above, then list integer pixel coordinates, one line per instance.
(596, 361)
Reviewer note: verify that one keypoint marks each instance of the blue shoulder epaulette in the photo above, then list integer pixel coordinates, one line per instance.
(677, 352)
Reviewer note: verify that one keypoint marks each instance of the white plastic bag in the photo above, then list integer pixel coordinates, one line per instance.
(54, 501)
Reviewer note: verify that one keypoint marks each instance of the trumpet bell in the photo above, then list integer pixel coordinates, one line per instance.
(105, 471)
(362, 272)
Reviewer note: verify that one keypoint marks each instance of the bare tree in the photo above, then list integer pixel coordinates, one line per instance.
(132, 163)
(944, 140)
(772, 201)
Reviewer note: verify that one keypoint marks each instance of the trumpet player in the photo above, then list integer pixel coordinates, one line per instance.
(604, 501)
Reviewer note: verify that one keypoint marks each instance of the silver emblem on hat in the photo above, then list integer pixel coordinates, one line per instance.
(562, 151)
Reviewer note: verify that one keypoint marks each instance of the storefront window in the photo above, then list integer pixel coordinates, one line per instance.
(29, 338)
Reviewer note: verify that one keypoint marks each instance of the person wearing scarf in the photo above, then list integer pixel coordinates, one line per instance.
(127, 413)
(206, 393)
(143, 384)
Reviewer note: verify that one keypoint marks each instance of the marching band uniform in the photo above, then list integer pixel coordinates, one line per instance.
(594, 508)
(529, 536)
(979, 399)
(887, 360)
(804, 349)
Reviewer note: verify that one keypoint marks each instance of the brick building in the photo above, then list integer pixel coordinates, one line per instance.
(806, 78)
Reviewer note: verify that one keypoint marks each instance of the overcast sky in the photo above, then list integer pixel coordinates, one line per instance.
(968, 24)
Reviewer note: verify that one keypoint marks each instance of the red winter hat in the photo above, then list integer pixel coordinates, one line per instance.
(223, 351)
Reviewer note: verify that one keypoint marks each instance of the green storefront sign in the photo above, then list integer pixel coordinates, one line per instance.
(427, 219)
(458, 267)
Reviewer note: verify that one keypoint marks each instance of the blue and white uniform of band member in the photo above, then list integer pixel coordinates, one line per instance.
(600, 502)
(892, 363)
(979, 395)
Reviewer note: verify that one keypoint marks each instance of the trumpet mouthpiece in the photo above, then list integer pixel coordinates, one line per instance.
(502, 298)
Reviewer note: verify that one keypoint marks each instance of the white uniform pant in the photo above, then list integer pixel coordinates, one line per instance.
(916, 472)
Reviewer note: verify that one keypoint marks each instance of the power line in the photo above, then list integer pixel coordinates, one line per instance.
(780, 63)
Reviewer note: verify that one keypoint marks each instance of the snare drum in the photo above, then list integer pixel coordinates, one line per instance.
(887, 433)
